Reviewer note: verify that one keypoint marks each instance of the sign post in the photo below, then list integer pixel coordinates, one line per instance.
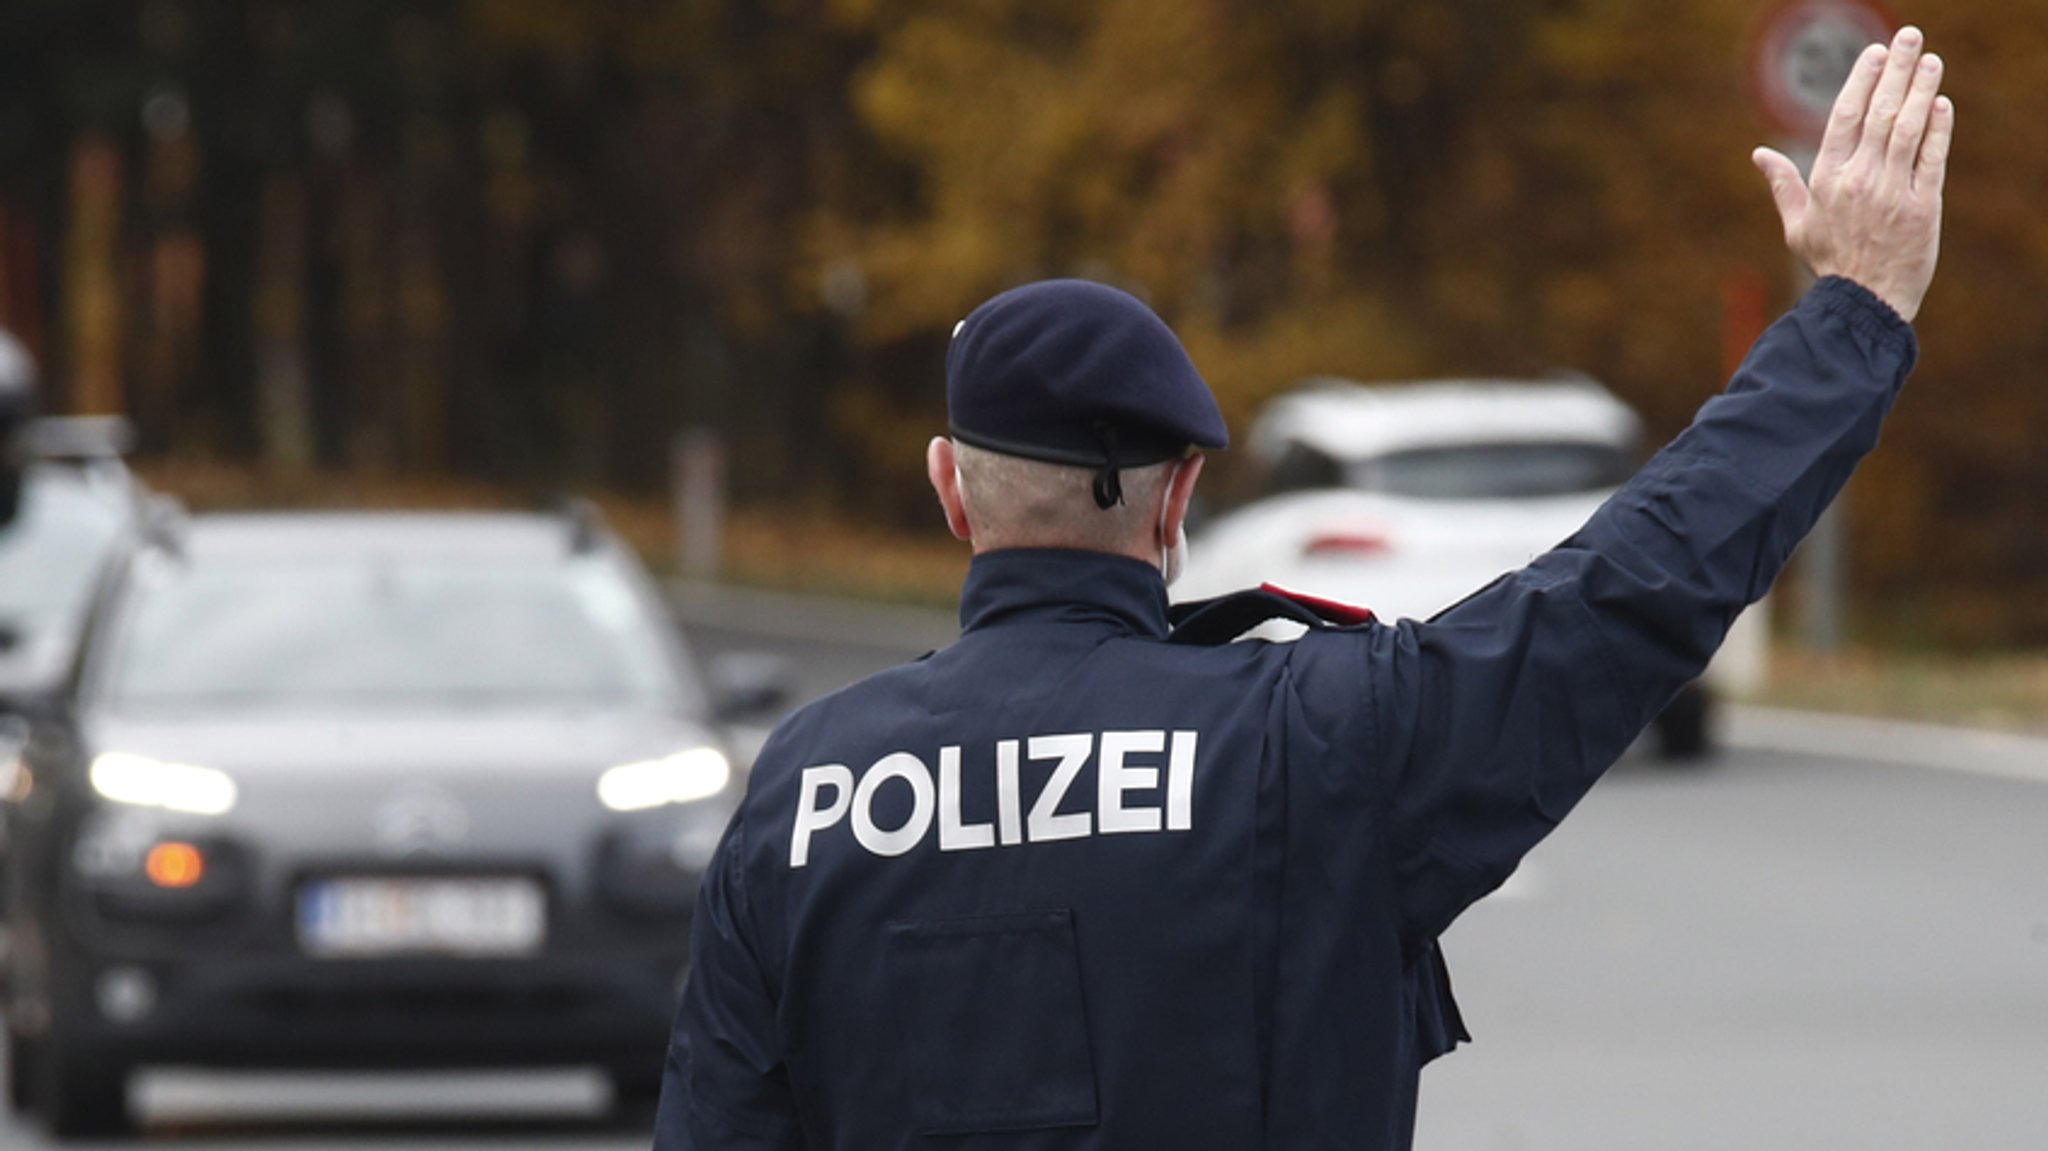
(1802, 54)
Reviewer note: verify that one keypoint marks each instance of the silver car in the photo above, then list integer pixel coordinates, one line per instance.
(361, 790)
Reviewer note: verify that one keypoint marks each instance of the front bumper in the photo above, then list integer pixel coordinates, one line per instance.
(396, 1013)
(218, 974)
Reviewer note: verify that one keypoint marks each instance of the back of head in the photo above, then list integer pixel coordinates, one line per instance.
(1015, 502)
(1069, 402)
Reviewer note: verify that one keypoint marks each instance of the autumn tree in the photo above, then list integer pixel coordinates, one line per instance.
(528, 240)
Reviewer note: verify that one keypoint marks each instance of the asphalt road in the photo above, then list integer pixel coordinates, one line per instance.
(1835, 936)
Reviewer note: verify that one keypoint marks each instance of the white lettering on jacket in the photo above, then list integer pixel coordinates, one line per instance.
(1127, 768)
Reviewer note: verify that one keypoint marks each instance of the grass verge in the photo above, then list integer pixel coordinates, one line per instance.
(2006, 691)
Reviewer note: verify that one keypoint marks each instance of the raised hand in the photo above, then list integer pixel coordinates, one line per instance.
(1872, 212)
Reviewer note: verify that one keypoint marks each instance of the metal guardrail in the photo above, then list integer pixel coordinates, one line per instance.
(78, 438)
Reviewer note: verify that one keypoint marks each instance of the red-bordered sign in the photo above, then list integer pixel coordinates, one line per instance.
(1803, 52)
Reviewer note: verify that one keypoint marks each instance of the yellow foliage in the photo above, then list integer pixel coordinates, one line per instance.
(1384, 189)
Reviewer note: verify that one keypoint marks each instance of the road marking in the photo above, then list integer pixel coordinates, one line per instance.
(1969, 751)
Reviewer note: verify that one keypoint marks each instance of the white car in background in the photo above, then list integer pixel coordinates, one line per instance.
(1406, 498)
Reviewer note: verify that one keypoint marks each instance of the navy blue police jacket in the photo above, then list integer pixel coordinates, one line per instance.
(1067, 884)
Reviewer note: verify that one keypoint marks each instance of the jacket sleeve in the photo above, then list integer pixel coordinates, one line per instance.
(1499, 714)
(725, 1086)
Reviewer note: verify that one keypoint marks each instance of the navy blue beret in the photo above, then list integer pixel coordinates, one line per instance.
(1073, 372)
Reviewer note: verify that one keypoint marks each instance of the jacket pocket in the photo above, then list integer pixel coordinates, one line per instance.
(993, 1028)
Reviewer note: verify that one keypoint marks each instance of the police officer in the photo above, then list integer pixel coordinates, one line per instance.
(1070, 883)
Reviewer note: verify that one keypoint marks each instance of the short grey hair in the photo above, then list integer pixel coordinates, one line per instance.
(1015, 502)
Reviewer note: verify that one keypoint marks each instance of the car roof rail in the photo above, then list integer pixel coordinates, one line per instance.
(585, 523)
(77, 438)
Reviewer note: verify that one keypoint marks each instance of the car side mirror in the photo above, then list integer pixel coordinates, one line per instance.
(747, 684)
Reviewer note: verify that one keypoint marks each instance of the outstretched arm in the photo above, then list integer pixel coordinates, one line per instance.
(1502, 712)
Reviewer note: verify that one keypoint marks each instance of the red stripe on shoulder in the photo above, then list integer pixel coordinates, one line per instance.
(1335, 611)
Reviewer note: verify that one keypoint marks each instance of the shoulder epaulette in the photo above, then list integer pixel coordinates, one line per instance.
(1210, 622)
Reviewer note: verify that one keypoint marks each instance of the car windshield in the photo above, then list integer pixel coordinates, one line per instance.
(50, 556)
(391, 633)
(1494, 471)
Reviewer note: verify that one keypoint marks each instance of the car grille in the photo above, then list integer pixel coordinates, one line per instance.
(416, 1002)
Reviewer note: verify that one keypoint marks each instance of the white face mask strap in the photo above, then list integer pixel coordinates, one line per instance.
(1166, 505)
(1173, 552)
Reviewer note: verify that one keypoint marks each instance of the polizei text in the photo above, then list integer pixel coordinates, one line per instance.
(1127, 765)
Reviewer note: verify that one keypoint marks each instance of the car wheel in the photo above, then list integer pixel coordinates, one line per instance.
(83, 1095)
(1682, 734)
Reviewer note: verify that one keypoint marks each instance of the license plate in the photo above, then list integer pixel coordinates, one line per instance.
(470, 917)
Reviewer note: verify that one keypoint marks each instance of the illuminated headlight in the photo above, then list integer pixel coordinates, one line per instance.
(146, 782)
(684, 777)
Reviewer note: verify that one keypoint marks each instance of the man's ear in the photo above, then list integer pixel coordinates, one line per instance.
(1178, 494)
(939, 468)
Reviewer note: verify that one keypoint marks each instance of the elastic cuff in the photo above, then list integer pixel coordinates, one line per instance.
(1865, 312)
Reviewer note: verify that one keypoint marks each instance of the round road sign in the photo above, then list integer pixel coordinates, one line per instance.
(1803, 53)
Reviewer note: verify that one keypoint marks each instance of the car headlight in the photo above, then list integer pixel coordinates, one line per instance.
(685, 777)
(145, 782)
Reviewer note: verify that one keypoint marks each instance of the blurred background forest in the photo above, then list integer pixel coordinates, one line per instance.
(524, 242)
